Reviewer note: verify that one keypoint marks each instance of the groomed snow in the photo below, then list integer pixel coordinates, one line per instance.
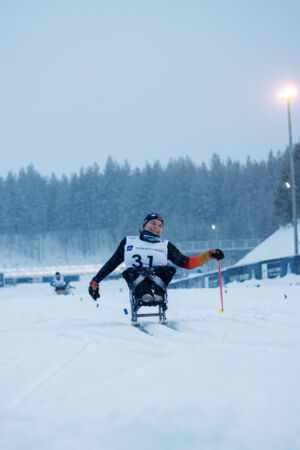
(77, 377)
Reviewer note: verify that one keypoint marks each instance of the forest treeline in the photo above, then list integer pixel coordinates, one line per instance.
(243, 200)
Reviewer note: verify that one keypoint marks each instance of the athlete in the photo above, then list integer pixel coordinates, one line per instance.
(59, 283)
(149, 251)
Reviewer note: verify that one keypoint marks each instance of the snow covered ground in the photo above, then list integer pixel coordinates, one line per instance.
(75, 377)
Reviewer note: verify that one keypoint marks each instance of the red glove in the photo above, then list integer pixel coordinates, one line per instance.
(94, 290)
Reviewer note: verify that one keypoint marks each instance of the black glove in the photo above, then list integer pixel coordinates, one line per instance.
(216, 254)
(94, 290)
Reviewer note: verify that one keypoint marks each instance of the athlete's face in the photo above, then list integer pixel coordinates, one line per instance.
(155, 226)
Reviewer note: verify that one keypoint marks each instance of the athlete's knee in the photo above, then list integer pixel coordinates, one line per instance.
(172, 270)
(165, 271)
(130, 275)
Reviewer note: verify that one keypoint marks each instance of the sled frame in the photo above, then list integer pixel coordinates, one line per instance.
(136, 304)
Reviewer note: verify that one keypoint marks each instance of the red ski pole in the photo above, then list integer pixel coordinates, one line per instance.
(221, 288)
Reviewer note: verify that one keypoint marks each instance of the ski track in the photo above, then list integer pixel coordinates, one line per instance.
(74, 375)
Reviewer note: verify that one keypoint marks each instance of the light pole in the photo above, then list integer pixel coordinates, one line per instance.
(287, 96)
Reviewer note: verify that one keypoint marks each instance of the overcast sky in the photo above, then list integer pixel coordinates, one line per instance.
(144, 80)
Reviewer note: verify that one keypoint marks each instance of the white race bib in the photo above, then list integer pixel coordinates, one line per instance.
(138, 253)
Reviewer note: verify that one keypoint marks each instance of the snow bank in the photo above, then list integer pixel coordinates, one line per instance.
(279, 245)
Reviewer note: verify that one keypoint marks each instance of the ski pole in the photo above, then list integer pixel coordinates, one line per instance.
(221, 289)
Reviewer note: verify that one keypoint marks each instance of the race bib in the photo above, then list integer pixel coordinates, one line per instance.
(140, 253)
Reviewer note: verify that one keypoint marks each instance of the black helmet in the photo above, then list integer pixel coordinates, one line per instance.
(151, 217)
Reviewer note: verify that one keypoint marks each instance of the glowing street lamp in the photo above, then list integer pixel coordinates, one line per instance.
(288, 185)
(287, 95)
(215, 229)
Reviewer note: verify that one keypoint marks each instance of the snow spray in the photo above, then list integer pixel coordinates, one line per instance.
(221, 288)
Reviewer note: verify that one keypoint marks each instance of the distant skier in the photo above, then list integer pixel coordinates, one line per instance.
(59, 283)
(149, 252)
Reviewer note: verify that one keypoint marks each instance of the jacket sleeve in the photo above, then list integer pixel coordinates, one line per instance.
(116, 259)
(187, 262)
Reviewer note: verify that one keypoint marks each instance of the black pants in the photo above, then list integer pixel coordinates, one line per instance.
(147, 286)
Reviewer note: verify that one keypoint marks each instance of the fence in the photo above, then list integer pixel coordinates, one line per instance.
(271, 268)
(12, 281)
(224, 244)
(234, 249)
